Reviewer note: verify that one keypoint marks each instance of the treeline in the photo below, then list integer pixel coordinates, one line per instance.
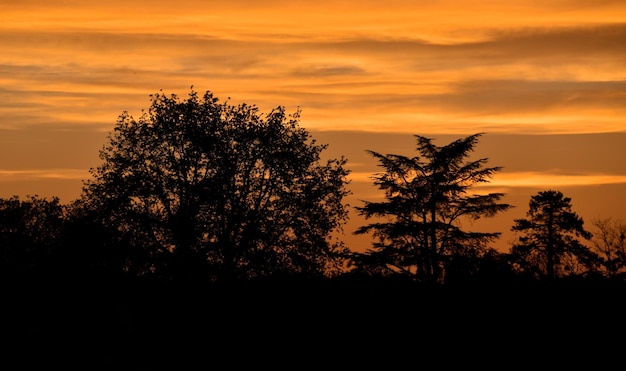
(201, 192)
(208, 236)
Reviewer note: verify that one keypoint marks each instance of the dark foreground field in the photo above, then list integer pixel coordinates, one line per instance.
(304, 325)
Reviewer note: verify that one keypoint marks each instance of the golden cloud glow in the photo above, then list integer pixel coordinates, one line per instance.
(511, 82)
(10, 175)
(439, 21)
(529, 179)
(535, 179)
(378, 71)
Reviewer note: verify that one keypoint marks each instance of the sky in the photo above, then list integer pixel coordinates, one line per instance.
(544, 81)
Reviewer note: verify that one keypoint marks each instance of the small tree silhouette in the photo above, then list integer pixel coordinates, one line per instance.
(549, 246)
(30, 234)
(609, 242)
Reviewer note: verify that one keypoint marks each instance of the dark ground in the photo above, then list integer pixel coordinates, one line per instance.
(314, 326)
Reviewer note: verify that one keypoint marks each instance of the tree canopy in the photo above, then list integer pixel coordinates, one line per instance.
(30, 233)
(549, 246)
(426, 198)
(205, 188)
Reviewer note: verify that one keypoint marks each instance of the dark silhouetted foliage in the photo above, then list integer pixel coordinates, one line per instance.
(30, 234)
(549, 245)
(609, 242)
(199, 189)
(121, 302)
(426, 198)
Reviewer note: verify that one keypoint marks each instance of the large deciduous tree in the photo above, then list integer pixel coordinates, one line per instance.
(207, 188)
(549, 243)
(419, 232)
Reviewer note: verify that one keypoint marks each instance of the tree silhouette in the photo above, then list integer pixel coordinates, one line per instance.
(609, 242)
(549, 245)
(30, 234)
(426, 198)
(207, 189)
(93, 249)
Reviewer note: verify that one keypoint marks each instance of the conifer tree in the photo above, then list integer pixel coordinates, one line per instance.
(419, 231)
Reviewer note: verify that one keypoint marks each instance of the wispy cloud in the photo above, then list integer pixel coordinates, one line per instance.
(537, 179)
(529, 179)
(405, 67)
(511, 80)
(34, 174)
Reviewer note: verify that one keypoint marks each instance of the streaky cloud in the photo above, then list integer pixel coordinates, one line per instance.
(52, 173)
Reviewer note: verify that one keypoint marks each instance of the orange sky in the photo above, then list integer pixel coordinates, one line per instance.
(545, 80)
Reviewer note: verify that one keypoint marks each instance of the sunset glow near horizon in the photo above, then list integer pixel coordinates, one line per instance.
(544, 78)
